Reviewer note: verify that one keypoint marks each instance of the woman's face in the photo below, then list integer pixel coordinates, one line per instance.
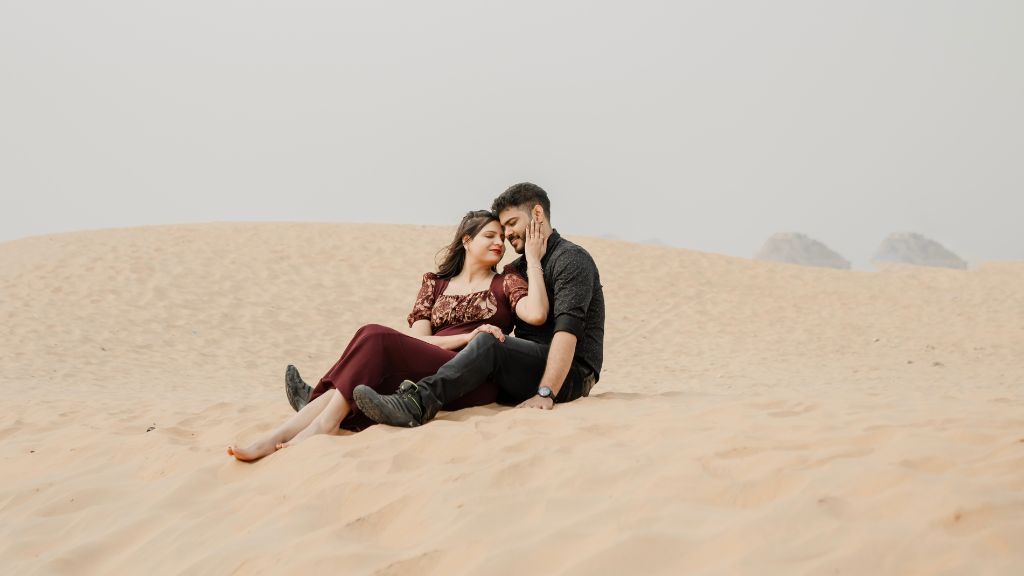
(488, 246)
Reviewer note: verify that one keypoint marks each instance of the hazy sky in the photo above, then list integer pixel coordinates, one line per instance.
(708, 125)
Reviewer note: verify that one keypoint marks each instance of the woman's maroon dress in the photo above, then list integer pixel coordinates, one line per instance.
(382, 358)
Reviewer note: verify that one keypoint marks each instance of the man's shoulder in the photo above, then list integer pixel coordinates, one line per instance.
(569, 252)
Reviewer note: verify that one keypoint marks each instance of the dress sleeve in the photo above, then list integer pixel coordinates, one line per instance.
(424, 300)
(516, 287)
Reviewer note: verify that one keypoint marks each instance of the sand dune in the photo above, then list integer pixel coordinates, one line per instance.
(753, 417)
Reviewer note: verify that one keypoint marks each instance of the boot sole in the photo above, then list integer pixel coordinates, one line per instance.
(297, 391)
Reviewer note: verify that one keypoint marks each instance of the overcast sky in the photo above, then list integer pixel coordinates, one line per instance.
(706, 125)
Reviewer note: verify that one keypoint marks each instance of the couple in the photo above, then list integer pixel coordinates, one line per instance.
(457, 352)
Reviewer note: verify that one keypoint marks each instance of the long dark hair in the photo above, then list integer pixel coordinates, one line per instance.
(455, 253)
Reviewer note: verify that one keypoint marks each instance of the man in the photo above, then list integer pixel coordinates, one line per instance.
(559, 361)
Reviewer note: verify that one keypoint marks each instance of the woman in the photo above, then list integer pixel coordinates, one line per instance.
(466, 297)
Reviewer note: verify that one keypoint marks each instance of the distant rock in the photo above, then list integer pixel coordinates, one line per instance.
(917, 250)
(793, 248)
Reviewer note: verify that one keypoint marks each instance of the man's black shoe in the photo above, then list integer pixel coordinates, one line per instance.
(297, 391)
(402, 408)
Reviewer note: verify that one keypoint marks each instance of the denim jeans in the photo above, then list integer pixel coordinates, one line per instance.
(515, 365)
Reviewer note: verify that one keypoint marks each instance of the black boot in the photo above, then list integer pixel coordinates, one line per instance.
(297, 391)
(402, 408)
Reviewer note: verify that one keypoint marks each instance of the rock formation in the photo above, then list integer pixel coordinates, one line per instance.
(917, 250)
(799, 249)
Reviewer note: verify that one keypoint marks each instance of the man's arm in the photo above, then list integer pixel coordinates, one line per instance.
(560, 355)
(573, 282)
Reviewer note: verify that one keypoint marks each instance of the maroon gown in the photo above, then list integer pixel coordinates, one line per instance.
(382, 358)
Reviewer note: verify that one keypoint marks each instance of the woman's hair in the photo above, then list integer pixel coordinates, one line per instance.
(455, 253)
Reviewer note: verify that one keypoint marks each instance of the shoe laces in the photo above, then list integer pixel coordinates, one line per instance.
(410, 392)
(407, 388)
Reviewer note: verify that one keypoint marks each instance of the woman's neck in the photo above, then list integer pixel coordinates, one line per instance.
(473, 272)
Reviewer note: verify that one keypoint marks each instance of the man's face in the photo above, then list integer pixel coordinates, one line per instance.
(514, 222)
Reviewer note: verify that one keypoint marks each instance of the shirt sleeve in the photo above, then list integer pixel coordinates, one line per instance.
(573, 277)
(516, 287)
(424, 300)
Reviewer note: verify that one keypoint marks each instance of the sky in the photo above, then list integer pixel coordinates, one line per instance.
(704, 125)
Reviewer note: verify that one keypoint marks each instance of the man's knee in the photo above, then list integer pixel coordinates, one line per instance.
(483, 343)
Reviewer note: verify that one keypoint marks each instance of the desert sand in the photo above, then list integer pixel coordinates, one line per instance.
(752, 417)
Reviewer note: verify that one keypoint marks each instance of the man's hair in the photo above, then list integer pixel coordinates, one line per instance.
(523, 194)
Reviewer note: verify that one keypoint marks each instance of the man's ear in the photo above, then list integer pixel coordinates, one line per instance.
(538, 213)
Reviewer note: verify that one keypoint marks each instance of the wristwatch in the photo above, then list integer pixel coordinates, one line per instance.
(545, 392)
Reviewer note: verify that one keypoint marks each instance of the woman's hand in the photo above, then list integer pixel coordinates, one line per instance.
(488, 329)
(536, 243)
(533, 309)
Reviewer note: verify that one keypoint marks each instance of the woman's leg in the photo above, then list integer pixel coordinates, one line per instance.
(328, 422)
(381, 358)
(267, 444)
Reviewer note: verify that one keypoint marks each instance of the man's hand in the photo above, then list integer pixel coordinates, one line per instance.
(488, 329)
(537, 402)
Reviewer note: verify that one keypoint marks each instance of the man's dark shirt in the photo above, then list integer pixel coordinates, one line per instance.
(576, 301)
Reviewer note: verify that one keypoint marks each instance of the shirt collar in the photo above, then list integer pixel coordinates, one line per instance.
(553, 241)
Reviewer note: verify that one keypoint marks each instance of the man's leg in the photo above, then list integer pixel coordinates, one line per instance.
(518, 386)
(512, 361)
(515, 365)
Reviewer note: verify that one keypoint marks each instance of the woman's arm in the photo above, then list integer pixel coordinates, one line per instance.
(533, 309)
(421, 331)
(419, 319)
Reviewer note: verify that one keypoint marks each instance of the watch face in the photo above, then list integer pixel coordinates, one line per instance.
(544, 392)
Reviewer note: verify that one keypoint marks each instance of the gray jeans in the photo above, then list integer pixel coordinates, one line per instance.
(515, 365)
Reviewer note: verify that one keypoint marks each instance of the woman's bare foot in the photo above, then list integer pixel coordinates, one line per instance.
(254, 451)
(312, 430)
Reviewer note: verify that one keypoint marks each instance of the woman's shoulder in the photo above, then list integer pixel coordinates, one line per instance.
(431, 285)
(511, 268)
(512, 284)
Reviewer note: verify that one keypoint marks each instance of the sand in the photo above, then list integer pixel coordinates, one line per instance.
(752, 418)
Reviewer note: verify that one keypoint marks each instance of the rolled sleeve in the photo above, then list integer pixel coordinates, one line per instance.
(566, 323)
(573, 278)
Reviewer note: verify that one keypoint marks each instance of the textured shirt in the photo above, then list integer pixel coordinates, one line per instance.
(576, 301)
